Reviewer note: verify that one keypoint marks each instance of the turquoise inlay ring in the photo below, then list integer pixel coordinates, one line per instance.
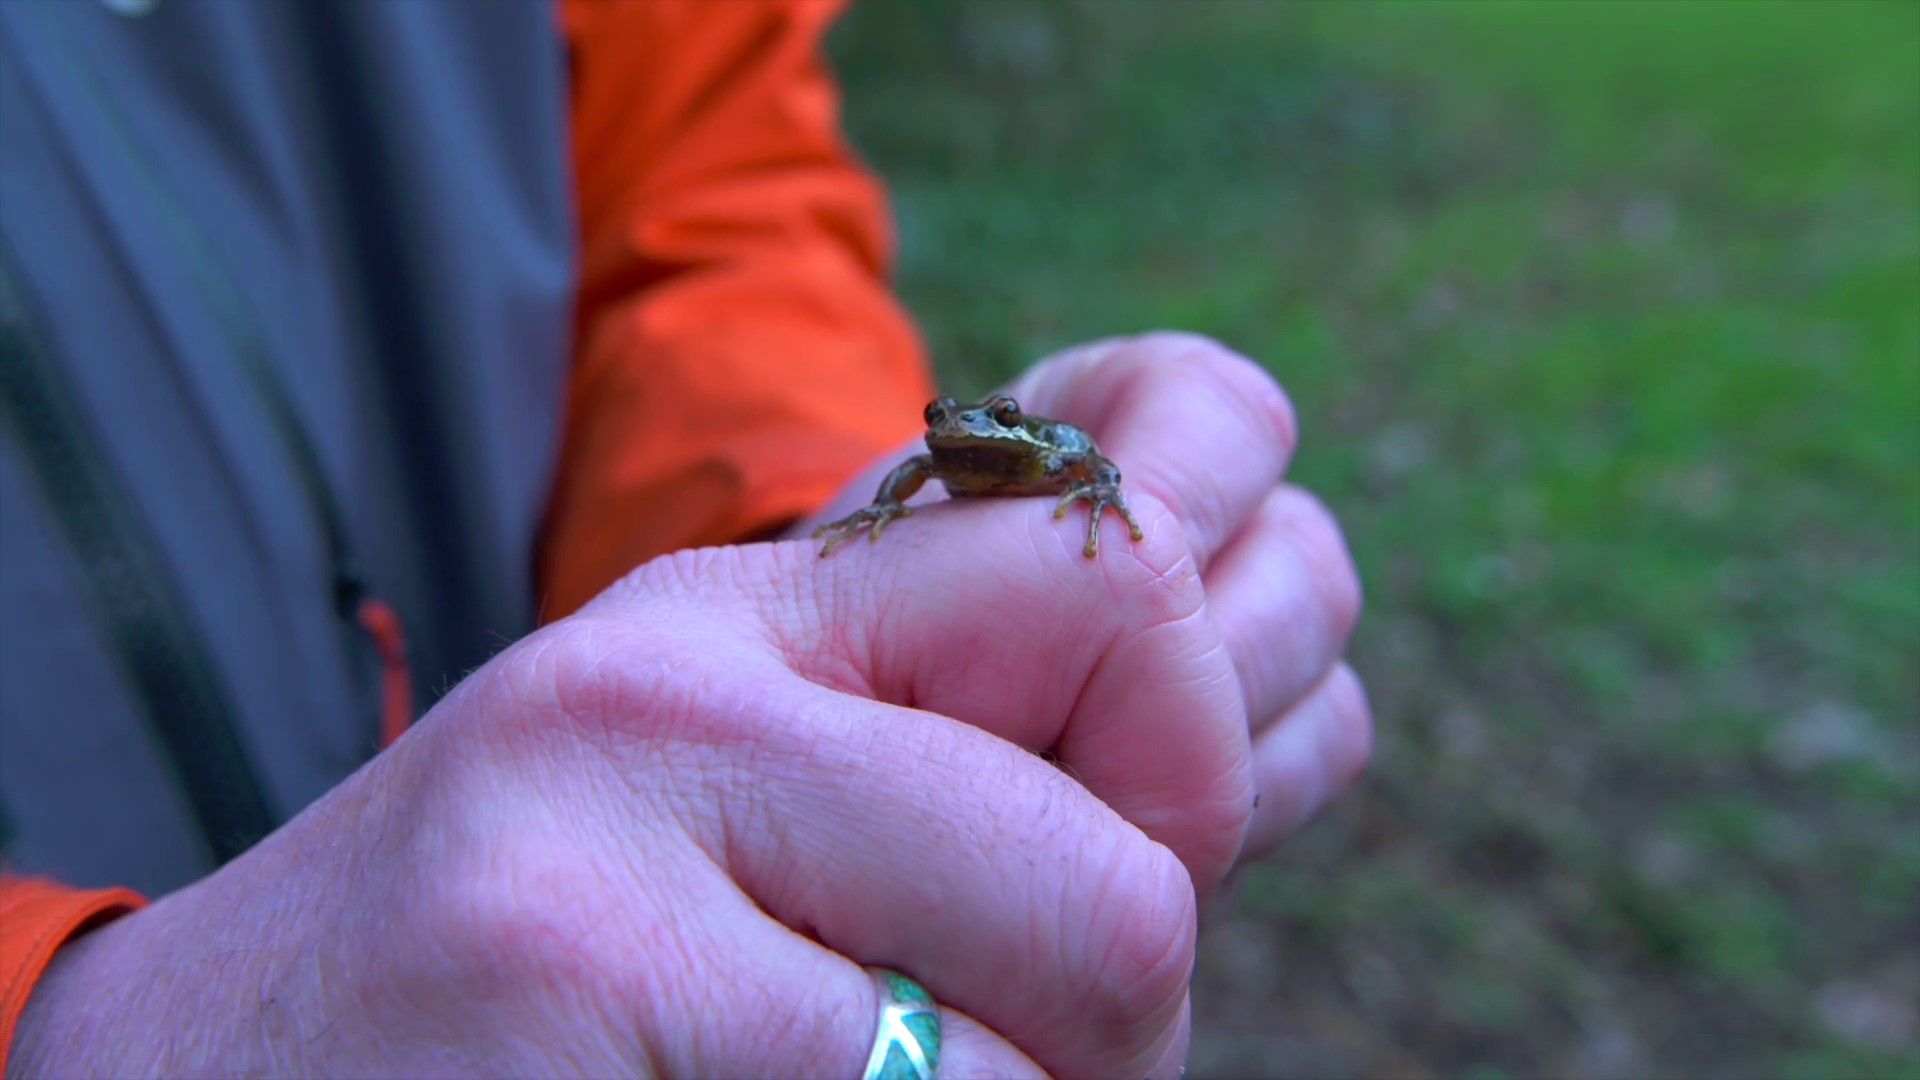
(907, 1044)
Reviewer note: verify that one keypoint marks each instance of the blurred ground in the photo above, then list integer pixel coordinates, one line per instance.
(1603, 321)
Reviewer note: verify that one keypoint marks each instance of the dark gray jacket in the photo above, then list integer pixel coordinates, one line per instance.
(320, 255)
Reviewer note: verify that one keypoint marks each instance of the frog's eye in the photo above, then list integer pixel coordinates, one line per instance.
(931, 414)
(1006, 411)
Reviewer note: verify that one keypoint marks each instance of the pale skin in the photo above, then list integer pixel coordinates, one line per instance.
(659, 837)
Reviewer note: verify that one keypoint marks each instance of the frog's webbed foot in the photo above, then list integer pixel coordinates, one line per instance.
(875, 516)
(1099, 496)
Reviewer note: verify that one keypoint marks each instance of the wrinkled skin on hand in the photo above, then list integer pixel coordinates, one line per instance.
(659, 837)
(1209, 434)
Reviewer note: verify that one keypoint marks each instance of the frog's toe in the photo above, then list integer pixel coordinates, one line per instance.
(1118, 503)
(885, 517)
(839, 532)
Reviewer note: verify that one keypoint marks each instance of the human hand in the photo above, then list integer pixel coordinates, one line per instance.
(660, 836)
(1210, 434)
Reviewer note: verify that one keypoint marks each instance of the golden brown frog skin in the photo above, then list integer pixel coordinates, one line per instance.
(994, 449)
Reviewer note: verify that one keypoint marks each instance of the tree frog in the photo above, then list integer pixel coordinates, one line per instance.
(995, 449)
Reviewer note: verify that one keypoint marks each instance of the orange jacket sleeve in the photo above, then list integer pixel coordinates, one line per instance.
(38, 916)
(739, 355)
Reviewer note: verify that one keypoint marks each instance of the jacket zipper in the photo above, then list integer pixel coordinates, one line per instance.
(139, 606)
(364, 619)
(135, 598)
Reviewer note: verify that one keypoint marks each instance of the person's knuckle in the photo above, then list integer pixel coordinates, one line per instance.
(1175, 343)
(580, 670)
(1171, 589)
(615, 683)
(510, 918)
(1250, 390)
(1352, 747)
(1331, 567)
(1244, 385)
(1149, 959)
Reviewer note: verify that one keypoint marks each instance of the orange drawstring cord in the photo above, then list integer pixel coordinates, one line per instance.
(382, 624)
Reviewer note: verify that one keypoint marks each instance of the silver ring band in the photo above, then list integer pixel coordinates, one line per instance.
(906, 1044)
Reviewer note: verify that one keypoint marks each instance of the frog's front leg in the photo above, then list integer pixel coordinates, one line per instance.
(889, 504)
(1099, 484)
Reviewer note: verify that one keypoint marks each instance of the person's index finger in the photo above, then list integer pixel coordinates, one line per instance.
(986, 611)
(1203, 428)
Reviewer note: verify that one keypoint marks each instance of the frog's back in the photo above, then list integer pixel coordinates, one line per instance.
(1067, 439)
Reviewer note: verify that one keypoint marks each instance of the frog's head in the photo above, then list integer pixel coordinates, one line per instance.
(996, 422)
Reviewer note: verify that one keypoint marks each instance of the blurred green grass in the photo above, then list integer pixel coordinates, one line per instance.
(1603, 323)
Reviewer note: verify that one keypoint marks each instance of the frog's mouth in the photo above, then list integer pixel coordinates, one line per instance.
(982, 452)
(973, 438)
